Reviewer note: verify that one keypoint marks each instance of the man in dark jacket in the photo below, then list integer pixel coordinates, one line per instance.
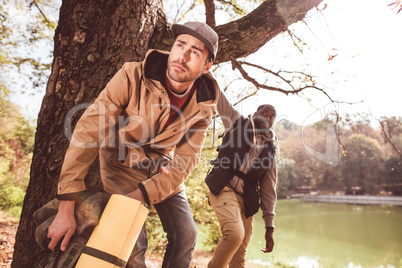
(242, 179)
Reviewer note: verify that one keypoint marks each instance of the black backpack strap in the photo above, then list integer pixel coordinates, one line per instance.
(104, 256)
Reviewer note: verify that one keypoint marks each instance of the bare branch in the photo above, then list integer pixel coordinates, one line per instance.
(313, 33)
(326, 23)
(210, 12)
(338, 136)
(296, 41)
(178, 11)
(185, 13)
(398, 4)
(246, 76)
(389, 139)
(277, 74)
(227, 86)
(246, 97)
(233, 4)
(245, 36)
(237, 65)
(41, 12)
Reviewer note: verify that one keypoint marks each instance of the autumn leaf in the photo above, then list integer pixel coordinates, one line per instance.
(331, 57)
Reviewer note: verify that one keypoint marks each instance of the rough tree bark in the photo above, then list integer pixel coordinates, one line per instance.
(92, 41)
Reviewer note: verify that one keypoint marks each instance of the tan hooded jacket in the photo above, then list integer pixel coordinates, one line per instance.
(125, 126)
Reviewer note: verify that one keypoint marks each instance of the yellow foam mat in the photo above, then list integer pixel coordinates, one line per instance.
(117, 231)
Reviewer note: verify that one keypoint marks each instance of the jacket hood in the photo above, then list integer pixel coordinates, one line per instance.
(154, 68)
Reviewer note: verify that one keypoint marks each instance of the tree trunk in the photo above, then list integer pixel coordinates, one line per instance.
(92, 41)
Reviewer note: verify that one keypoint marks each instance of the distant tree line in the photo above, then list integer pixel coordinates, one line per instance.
(367, 161)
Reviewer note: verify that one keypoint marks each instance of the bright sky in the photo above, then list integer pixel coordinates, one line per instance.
(365, 35)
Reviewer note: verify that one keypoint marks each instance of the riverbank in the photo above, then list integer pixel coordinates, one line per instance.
(354, 199)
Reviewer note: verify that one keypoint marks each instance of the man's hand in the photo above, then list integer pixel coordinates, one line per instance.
(63, 225)
(269, 240)
(137, 194)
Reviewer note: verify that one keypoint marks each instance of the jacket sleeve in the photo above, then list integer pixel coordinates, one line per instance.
(228, 114)
(186, 156)
(89, 134)
(268, 194)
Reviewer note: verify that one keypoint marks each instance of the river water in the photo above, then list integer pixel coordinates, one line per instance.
(331, 235)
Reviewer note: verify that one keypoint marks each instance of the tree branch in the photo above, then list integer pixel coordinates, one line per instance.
(246, 97)
(234, 5)
(184, 13)
(41, 12)
(338, 136)
(236, 65)
(296, 41)
(389, 139)
(210, 12)
(245, 36)
(246, 76)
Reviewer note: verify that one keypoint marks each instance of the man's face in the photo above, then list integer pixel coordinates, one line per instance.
(264, 118)
(187, 59)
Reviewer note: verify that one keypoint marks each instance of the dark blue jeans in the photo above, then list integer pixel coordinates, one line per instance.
(178, 223)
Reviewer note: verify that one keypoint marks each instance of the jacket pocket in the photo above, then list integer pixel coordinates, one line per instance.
(226, 209)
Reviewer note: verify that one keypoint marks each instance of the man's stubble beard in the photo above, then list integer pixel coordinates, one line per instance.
(173, 75)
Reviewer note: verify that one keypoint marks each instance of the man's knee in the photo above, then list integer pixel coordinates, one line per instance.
(193, 232)
(234, 233)
(189, 235)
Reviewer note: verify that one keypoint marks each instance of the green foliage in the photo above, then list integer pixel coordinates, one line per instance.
(286, 176)
(157, 240)
(24, 28)
(361, 165)
(288, 125)
(393, 125)
(16, 146)
(393, 175)
(11, 197)
(198, 192)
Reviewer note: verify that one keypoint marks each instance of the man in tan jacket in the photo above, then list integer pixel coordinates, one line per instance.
(162, 108)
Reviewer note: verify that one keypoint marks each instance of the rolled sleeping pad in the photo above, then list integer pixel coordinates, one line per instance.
(113, 239)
